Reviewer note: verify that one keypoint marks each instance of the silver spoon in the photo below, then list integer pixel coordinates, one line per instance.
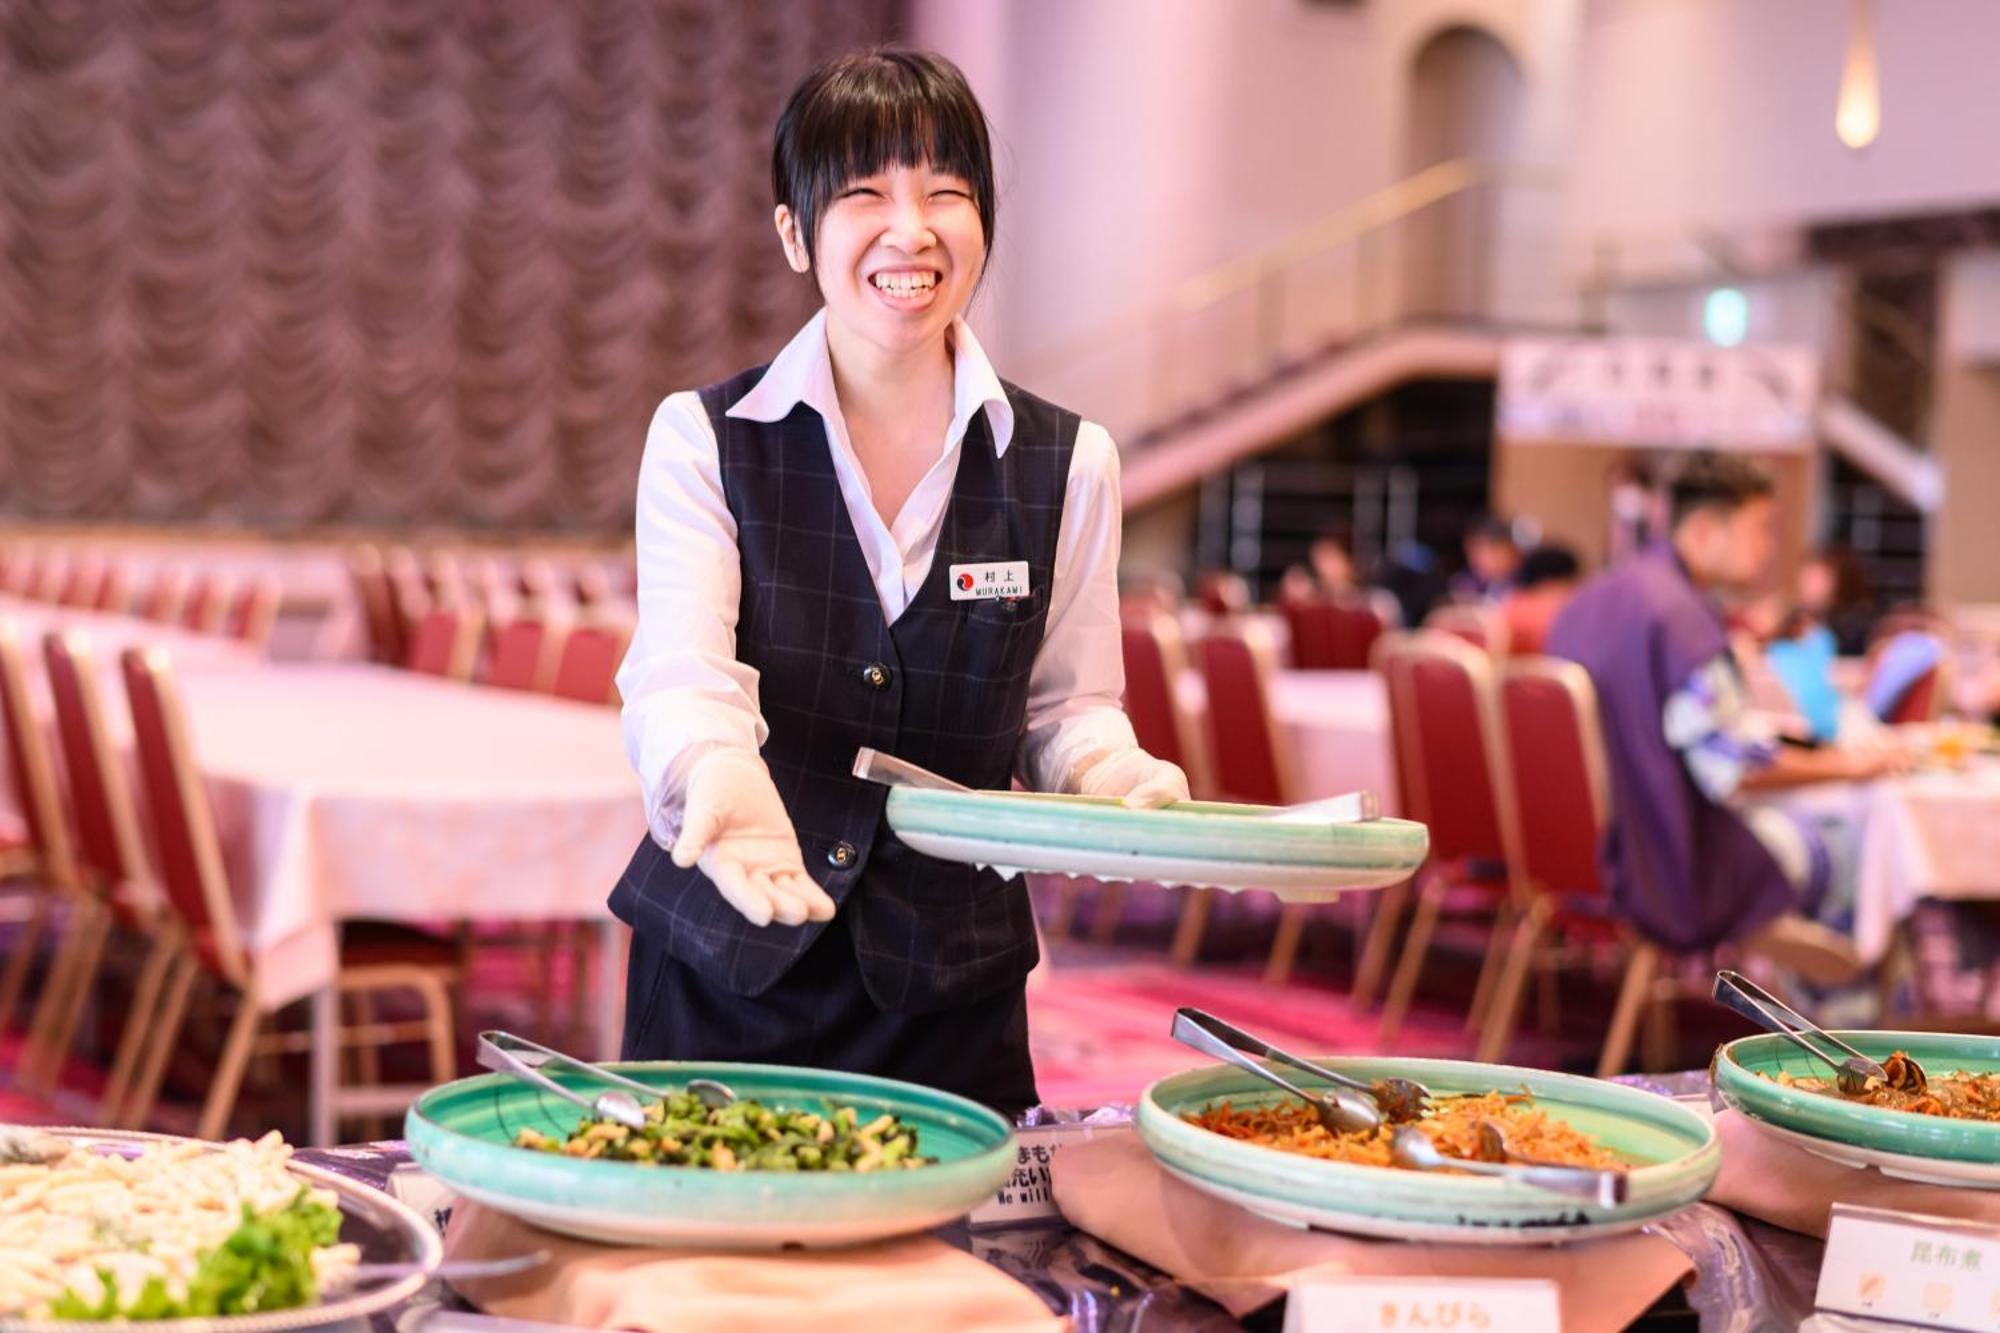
(1411, 1148)
(1339, 1111)
(505, 1053)
(1398, 1098)
(1851, 1074)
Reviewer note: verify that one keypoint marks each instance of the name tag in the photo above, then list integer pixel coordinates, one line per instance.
(1935, 1271)
(1399, 1304)
(998, 579)
(1029, 1194)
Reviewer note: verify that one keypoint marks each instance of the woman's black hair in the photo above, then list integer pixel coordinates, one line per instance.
(1722, 482)
(856, 114)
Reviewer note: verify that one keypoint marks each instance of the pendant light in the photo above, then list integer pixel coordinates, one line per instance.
(1858, 118)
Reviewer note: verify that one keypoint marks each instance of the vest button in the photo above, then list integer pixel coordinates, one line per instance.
(876, 675)
(841, 855)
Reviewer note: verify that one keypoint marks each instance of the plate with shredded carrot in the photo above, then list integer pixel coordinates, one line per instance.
(1235, 1137)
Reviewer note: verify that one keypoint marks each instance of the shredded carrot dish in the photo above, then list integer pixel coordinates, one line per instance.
(1452, 1123)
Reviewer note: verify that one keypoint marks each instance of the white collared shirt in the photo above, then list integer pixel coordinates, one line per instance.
(684, 688)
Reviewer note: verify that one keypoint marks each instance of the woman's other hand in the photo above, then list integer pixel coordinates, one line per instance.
(734, 827)
(1137, 778)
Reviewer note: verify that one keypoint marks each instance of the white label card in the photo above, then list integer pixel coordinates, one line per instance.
(1029, 1194)
(1939, 1272)
(979, 583)
(1423, 1305)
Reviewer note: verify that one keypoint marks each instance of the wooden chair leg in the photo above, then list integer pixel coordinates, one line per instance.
(1659, 1033)
(1403, 986)
(1285, 944)
(1110, 906)
(60, 1032)
(65, 990)
(1633, 993)
(228, 1081)
(159, 1044)
(1504, 1012)
(1497, 945)
(439, 1032)
(1195, 907)
(1548, 996)
(14, 979)
(1390, 905)
(132, 1041)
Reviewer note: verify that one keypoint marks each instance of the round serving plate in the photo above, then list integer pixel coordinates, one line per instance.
(463, 1133)
(1674, 1151)
(1930, 1148)
(386, 1231)
(1204, 843)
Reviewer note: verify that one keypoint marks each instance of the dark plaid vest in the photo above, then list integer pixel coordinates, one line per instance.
(946, 687)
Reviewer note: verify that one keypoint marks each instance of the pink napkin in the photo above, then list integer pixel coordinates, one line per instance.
(1112, 1188)
(1777, 1182)
(909, 1283)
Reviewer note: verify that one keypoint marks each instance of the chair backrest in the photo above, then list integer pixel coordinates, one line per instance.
(592, 583)
(1222, 593)
(1479, 626)
(114, 594)
(1308, 621)
(108, 844)
(1442, 715)
(1155, 661)
(86, 576)
(51, 575)
(253, 611)
(207, 603)
(445, 642)
(587, 669)
(521, 655)
(1554, 784)
(1352, 630)
(186, 852)
(30, 767)
(167, 597)
(378, 609)
(1251, 757)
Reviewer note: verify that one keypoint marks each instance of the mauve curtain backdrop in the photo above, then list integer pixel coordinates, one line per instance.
(286, 263)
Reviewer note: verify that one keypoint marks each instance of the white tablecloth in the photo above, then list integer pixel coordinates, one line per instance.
(110, 635)
(1338, 724)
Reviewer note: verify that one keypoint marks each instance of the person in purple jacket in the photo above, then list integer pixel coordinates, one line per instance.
(1690, 861)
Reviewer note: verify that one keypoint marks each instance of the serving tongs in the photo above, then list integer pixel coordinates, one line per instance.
(505, 1053)
(1394, 1099)
(1852, 1069)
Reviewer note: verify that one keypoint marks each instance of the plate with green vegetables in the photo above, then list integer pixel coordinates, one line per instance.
(800, 1156)
(152, 1230)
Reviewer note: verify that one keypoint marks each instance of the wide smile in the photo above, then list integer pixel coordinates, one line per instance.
(906, 289)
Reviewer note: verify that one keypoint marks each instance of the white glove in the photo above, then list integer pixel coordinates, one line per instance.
(734, 826)
(1145, 783)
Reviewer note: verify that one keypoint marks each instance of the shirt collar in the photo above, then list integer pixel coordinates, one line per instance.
(803, 373)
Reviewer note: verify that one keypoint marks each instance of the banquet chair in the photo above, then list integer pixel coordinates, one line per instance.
(1480, 626)
(252, 612)
(117, 878)
(208, 938)
(1155, 660)
(167, 597)
(86, 576)
(40, 851)
(114, 593)
(587, 669)
(1554, 787)
(539, 587)
(1442, 715)
(1353, 630)
(1309, 623)
(592, 583)
(1250, 761)
(521, 655)
(1221, 592)
(207, 603)
(51, 576)
(445, 642)
(386, 642)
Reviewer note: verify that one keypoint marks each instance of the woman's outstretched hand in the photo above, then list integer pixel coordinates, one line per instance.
(1137, 778)
(734, 827)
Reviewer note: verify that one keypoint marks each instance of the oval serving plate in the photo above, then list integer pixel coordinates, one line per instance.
(387, 1231)
(463, 1134)
(1204, 843)
(1674, 1150)
(1930, 1148)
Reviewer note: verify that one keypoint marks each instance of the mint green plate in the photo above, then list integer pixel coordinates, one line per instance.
(463, 1133)
(1205, 843)
(1674, 1152)
(1901, 1143)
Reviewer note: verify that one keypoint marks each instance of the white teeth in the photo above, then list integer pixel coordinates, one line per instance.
(905, 284)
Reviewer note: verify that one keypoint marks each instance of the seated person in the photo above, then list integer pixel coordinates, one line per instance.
(1689, 864)
(1544, 585)
(1333, 564)
(1834, 590)
(1492, 560)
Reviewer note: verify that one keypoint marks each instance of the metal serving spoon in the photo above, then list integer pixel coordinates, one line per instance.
(1339, 1111)
(505, 1053)
(1852, 1072)
(872, 765)
(1398, 1098)
(1412, 1148)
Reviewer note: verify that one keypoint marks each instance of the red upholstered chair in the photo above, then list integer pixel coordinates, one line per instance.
(1555, 788)
(86, 576)
(1250, 761)
(592, 583)
(120, 890)
(40, 850)
(208, 939)
(207, 603)
(114, 592)
(445, 642)
(253, 611)
(1309, 621)
(587, 669)
(521, 655)
(1480, 626)
(1222, 593)
(1353, 629)
(51, 576)
(1442, 708)
(386, 641)
(166, 600)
